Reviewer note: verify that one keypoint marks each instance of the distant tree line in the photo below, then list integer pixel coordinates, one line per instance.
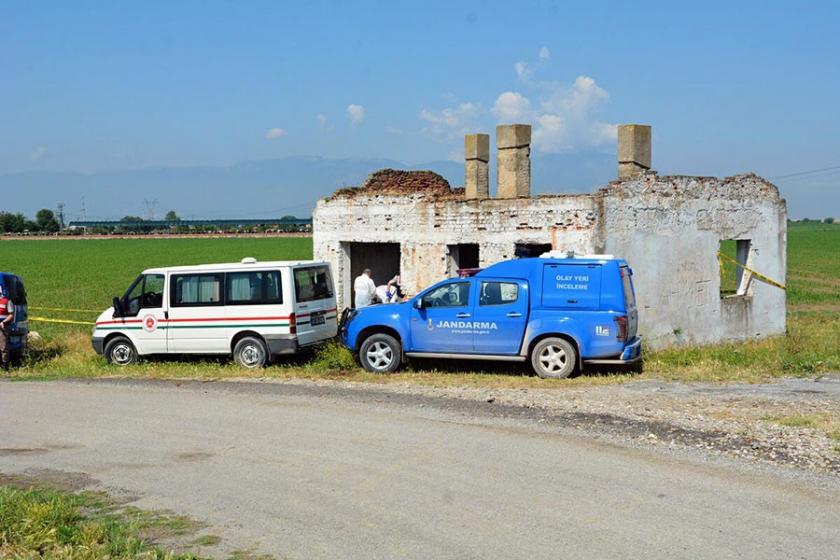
(828, 220)
(44, 222)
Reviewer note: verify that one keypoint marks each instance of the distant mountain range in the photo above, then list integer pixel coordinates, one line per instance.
(253, 189)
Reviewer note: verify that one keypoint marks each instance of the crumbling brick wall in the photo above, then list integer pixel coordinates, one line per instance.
(668, 228)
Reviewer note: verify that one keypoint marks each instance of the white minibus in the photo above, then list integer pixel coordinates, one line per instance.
(251, 310)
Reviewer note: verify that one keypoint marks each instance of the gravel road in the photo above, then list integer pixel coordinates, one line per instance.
(325, 472)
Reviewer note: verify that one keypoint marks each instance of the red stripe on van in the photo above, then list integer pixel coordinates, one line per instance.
(119, 322)
(203, 319)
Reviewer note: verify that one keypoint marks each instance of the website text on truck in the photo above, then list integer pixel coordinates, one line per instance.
(251, 310)
(557, 312)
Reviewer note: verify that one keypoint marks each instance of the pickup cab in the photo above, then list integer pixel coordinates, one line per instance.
(558, 312)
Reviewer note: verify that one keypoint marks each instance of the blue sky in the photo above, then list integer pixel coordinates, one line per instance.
(728, 87)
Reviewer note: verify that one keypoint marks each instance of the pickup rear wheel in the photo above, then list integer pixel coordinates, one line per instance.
(380, 353)
(553, 358)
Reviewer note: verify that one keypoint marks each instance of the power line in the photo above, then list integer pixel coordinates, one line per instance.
(801, 173)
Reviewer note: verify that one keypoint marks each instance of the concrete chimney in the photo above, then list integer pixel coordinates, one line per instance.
(634, 151)
(476, 168)
(513, 160)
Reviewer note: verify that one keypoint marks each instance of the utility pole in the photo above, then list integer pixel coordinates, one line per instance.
(61, 215)
(151, 206)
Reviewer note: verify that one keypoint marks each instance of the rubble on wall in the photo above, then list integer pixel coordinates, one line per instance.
(395, 181)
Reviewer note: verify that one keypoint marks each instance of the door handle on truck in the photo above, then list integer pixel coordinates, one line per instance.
(514, 314)
(462, 315)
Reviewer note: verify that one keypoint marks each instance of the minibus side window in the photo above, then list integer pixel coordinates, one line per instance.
(253, 288)
(197, 290)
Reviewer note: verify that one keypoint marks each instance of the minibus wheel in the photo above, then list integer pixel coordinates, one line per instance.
(380, 353)
(250, 352)
(120, 351)
(553, 358)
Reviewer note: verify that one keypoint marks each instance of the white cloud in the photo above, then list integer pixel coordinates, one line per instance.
(567, 117)
(273, 133)
(564, 116)
(512, 107)
(583, 97)
(544, 54)
(356, 114)
(451, 121)
(394, 130)
(322, 120)
(523, 71)
(37, 153)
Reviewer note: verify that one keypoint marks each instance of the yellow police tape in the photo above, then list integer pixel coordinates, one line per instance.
(65, 321)
(758, 275)
(64, 309)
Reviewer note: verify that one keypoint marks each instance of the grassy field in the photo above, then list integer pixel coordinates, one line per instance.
(47, 523)
(83, 275)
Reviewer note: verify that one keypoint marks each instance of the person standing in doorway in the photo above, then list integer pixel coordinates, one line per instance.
(7, 315)
(365, 289)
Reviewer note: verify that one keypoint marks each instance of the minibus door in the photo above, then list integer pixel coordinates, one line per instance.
(144, 307)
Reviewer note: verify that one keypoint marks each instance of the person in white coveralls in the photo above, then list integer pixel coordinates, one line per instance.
(365, 289)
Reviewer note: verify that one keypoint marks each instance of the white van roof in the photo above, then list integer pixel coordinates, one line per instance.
(248, 263)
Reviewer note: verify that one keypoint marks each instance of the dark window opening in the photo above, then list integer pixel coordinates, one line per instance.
(529, 250)
(383, 259)
(461, 257)
(733, 256)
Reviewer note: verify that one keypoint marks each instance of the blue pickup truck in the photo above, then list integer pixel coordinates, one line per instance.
(19, 331)
(558, 312)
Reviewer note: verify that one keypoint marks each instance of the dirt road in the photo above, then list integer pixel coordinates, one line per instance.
(299, 474)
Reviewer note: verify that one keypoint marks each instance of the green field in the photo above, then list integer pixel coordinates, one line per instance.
(83, 275)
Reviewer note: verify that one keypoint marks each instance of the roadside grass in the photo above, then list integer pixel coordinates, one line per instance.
(821, 421)
(811, 346)
(51, 524)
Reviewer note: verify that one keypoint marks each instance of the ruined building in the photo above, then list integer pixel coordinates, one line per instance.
(669, 228)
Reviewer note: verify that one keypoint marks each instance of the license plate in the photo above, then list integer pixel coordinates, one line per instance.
(317, 319)
(15, 339)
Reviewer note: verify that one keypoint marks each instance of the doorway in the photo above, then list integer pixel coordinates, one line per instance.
(382, 258)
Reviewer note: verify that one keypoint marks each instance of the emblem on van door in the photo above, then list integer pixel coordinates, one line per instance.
(602, 331)
(150, 323)
(430, 326)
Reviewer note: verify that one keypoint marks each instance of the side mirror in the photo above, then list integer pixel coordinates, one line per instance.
(117, 307)
(418, 303)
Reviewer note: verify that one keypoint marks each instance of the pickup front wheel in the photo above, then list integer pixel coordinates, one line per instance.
(380, 353)
(553, 358)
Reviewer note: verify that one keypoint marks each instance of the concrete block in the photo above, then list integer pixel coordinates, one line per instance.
(513, 136)
(634, 144)
(477, 146)
(476, 179)
(513, 174)
(630, 170)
